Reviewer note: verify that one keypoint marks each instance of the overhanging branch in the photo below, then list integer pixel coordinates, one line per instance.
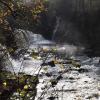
(5, 4)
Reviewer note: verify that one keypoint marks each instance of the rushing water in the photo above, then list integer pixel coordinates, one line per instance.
(76, 83)
(56, 28)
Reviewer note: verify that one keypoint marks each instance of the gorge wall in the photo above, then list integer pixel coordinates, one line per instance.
(79, 23)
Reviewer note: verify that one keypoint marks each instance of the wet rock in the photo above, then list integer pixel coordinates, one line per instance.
(21, 38)
(51, 98)
(96, 96)
(59, 77)
(71, 78)
(54, 82)
(48, 74)
(81, 70)
(4, 57)
(51, 63)
(26, 58)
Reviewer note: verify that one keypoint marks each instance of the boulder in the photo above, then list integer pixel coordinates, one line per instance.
(21, 39)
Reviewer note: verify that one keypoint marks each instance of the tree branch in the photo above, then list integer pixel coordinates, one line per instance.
(5, 4)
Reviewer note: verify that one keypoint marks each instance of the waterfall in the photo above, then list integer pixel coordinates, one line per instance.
(56, 28)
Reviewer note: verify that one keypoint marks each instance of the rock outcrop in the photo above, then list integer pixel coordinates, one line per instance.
(21, 39)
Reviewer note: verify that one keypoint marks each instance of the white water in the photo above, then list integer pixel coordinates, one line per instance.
(85, 84)
(56, 28)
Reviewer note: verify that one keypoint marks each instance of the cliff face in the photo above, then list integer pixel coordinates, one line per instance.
(79, 22)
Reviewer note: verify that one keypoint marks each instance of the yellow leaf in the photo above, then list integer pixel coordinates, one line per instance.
(5, 83)
(61, 66)
(54, 49)
(34, 57)
(76, 64)
(45, 50)
(38, 58)
(22, 94)
(56, 62)
(10, 50)
(45, 69)
(26, 87)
